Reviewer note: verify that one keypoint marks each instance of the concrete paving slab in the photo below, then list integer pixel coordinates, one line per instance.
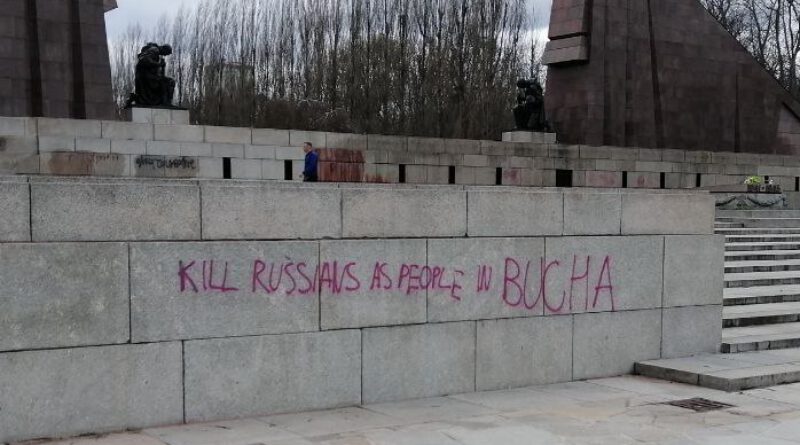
(116, 439)
(430, 410)
(616, 411)
(516, 400)
(233, 432)
(320, 423)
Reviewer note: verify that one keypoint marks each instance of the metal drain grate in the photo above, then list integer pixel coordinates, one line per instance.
(699, 405)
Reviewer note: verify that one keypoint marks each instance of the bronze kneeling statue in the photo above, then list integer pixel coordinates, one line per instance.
(153, 87)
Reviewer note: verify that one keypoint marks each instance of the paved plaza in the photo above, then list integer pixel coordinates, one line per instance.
(618, 411)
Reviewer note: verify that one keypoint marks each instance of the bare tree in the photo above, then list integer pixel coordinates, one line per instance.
(769, 29)
(424, 67)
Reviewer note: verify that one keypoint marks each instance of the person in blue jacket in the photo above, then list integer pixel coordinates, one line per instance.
(312, 159)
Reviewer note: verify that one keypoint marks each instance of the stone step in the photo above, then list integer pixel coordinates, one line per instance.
(753, 279)
(759, 255)
(727, 225)
(767, 237)
(761, 338)
(758, 213)
(760, 314)
(728, 372)
(761, 266)
(760, 295)
(767, 245)
(762, 222)
(756, 230)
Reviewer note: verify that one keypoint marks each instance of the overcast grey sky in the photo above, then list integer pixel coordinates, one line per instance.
(149, 11)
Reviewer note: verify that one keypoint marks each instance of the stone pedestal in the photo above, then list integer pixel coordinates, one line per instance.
(529, 136)
(163, 116)
(750, 201)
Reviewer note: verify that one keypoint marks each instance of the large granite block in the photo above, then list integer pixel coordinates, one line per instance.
(70, 127)
(49, 144)
(271, 212)
(260, 152)
(59, 295)
(246, 169)
(163, 148)
(210, 168)
(127, 147)
(346, 140)
(388, 143)
(68, 392)
(408, 362)
(19, 164)
(289, 153)
(462, 146)
(89, 210)
(223, 150)
(523, 352)
(160, 116)
(691, 330)
(644, 180)
(17, 126)
(373, 283)
(694, 270)
(15, 216)
(179, 133)
(592, 213)
(84, 164)
(603, 179)
(400, 212)
(597, 274)
(298, 138)
(16, 146)
(484, 278)
(199, 149)
(128, 131)
(93, 145)
(274, 138)
(229, 135)
(201, 290)
(513, 213)
(608, 344)
(661, 213)
(245, 377)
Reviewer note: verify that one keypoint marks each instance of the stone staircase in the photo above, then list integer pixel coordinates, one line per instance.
(761, 314)
(762, 280)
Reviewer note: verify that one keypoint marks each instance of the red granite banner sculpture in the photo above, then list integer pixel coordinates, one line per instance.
(661, 74)
(54, 59)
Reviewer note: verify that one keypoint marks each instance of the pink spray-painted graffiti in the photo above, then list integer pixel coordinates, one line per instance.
(583, 282)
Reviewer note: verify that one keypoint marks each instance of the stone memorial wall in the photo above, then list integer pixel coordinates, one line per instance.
(137, 302)
(164, 145)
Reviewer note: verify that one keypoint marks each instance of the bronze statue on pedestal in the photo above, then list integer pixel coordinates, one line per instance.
(153, 88)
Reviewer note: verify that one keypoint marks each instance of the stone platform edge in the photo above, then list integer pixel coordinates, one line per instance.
(111, 148)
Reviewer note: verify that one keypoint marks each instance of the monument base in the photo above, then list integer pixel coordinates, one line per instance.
(750, 201)
(162, 116)
(529, 136)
